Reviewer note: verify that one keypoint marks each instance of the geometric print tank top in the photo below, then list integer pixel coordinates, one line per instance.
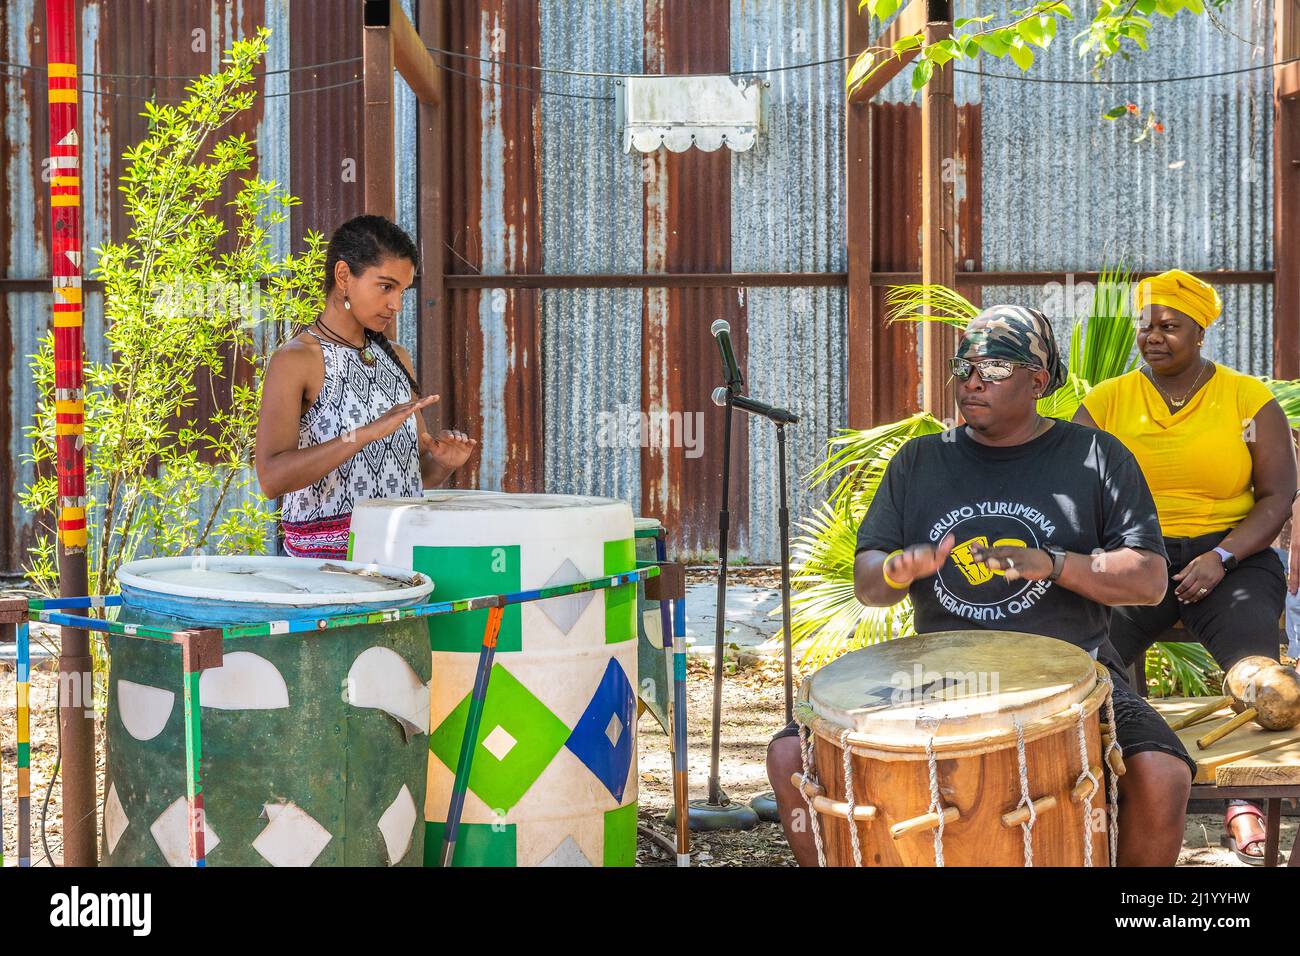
(316, 519)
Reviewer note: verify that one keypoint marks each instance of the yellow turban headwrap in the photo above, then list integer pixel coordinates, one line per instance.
(1182, 291)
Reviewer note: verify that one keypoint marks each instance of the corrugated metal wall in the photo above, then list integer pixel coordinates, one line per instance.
(555, 381)
(1064, 190)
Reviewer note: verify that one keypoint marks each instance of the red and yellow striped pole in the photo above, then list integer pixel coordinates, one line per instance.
(76, 716)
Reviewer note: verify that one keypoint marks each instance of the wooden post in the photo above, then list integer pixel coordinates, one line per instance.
(1286, 191)
(76, 714)
(938, 207)
(377, 118)
(862, 343)
(435, 332)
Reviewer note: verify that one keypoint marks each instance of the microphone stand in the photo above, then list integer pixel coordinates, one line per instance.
(718, 812)
(765, 803)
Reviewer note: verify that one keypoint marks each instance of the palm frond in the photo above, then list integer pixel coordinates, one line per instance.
(1287, 393)
(1102, 345)
(858, 458)
(1179, 668)
(827, 619)
(922, 302)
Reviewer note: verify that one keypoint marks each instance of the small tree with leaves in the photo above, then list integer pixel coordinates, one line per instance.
(1116, 28)
(178, 315)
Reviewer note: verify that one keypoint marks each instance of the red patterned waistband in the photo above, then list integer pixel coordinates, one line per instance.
(322, 538)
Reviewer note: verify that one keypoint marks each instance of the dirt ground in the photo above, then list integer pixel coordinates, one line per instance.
(752, 709)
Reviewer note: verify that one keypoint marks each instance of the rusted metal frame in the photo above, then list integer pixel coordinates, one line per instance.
(910, 20)
(377, 116)
(409, 54)
(742, 280)
(435, 347)
(1286, 46)
(687, 230)
(863, 346)
(1286, 191)
(938, 220)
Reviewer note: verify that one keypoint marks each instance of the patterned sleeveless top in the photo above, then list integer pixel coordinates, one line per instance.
(316, 519)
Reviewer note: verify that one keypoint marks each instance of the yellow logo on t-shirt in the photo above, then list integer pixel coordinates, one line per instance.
(977, 572)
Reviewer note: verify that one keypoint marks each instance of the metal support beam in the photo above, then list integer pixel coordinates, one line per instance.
(938, 216)
(377, 118)
(1286, 191)
(435, 344)
(909, 22)
(862, 343)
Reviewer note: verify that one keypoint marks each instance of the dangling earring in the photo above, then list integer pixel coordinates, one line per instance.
(347, 303)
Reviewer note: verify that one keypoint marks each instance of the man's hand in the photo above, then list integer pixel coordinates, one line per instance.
(1199, 578)
(1015, 563)
(918, 561)
(450, 449)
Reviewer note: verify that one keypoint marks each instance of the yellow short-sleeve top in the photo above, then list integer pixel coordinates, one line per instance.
(1196, 460)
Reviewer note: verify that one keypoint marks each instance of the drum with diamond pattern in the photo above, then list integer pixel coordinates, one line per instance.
(554, 779)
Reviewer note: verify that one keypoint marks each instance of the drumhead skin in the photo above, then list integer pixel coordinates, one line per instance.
(952, 688)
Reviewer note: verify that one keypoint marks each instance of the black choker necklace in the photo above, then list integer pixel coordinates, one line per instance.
(367, 354)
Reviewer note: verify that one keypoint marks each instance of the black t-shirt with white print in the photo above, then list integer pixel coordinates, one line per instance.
(1074, 487)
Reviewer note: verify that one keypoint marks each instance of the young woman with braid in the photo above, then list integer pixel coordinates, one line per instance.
(341, 410)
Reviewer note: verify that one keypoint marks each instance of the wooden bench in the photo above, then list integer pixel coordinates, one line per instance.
(1249, 764)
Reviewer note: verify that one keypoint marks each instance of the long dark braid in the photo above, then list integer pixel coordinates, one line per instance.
(365, 241)
(380, 339)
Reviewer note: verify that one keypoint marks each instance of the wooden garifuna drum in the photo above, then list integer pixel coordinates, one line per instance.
(979, 748)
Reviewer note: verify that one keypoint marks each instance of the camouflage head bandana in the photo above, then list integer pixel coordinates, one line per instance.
(1017, 334)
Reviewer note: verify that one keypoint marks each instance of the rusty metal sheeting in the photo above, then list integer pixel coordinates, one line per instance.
(1066, 189)
(325, 126)
(797, 361)
(787, 216)
(788, 191)
(495, 228)
(592, 380)
(591, 190)
(688, 228)
(591, 223)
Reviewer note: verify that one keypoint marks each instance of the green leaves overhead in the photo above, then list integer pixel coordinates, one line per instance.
(1116, 27)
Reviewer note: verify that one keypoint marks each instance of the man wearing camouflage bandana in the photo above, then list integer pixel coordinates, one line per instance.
(1016, 522)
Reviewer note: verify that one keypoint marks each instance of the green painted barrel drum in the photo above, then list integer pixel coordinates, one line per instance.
(553, 781)
(314, 745)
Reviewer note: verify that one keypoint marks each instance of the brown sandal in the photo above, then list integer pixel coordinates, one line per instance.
(1243, 809)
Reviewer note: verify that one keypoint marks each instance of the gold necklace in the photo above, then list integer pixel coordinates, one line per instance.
(1190, 392)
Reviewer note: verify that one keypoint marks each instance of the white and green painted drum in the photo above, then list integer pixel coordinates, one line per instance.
(314, 745)
(553, 780)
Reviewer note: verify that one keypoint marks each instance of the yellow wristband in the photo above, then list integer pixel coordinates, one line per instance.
(885, 574)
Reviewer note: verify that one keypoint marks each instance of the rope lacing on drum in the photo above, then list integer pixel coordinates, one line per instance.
(805, 751)
(1025, 801)
(935, 806)
(1113, 779)
(848, 796)
(1087, 774)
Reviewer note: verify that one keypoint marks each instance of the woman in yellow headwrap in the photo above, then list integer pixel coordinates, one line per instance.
(1215, 449)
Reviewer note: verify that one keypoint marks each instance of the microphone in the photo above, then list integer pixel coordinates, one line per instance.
(752, 405)
(721, 330)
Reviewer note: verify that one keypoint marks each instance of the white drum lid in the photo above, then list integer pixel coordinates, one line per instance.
(257, 579)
